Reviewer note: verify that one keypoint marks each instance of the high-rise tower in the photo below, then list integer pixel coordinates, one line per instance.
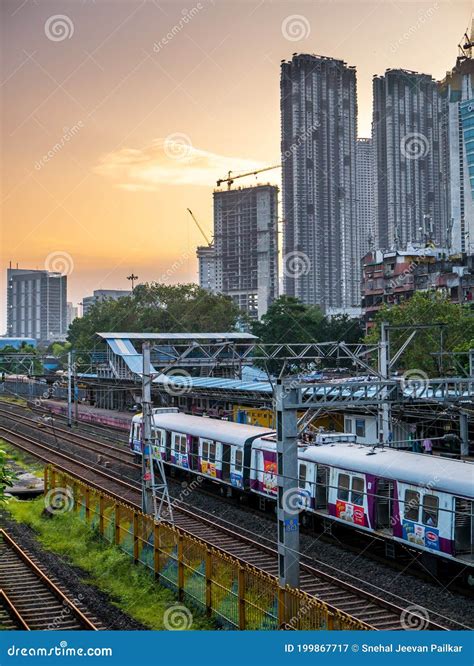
(321, 253)
(412, 183)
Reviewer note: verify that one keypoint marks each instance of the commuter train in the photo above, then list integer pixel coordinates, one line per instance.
(424, 502)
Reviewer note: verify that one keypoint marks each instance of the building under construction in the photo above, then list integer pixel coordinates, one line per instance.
(243, 262)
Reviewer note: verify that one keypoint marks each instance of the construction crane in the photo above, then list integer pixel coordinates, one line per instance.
(230, 178)
(466, 48)
(209, 243)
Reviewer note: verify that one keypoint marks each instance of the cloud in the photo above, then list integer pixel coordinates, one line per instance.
(170, 161)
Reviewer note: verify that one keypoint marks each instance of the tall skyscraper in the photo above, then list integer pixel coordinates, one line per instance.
(321, 253)
(36, 304)
(457, 95)
(365, 195)
(246, 246)
(412, 184)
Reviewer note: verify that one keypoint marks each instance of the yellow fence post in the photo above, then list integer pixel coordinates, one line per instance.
(330, 620)
(180, 567)
(241, 589)
(87, 500)
(135, 536)
(117, 523)
(208, 581)
(281, 607)
(53, 478)
(101, 513)
(156, 549)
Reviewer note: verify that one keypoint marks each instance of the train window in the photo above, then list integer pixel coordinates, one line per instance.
(302, 477)
(180, 444)
(343, 487)
(205, 449)
(357, 494)
(212, 452)
(238, 460)
(412, 505)
(430, 510)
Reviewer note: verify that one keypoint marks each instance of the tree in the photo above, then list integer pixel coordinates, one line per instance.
(16, 364)
(449, 327)
(288, 320)
(156, 308)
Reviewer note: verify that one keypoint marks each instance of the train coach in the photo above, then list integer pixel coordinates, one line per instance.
(423, 502)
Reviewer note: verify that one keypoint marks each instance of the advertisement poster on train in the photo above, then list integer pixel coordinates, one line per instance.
(421, 535)
(269, 475)
(208, 468)
(350, 512)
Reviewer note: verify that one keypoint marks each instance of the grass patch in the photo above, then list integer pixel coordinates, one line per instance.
(14, 400)
(23, 460)
(131, 587)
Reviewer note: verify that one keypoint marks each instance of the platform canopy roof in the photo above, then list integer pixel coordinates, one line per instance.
(179, 336)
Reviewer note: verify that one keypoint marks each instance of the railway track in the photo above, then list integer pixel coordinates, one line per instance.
(29, 599)
(379, 610)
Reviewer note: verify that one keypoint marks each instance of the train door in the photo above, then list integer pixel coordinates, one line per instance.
(463, 527)
(168, 445)
(194, 453)
(322, 487)
(384, 505)
(225, 474)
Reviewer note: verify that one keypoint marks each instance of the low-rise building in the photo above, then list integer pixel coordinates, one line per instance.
(389, 278)
(100, 295)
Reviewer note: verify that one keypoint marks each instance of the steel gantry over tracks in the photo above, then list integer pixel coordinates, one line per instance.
(292, 396)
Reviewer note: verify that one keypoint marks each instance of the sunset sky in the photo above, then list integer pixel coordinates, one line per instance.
(144, 124)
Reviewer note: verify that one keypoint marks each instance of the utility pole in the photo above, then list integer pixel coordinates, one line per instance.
(69, 389)
(289, 501)
(132, 279)
(385, 418)
(155, 495)
(464, 433)
(76, 391)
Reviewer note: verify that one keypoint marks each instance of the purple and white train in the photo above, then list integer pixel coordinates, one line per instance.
(426, 502)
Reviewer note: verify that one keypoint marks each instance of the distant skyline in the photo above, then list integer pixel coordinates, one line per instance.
(117, 116)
